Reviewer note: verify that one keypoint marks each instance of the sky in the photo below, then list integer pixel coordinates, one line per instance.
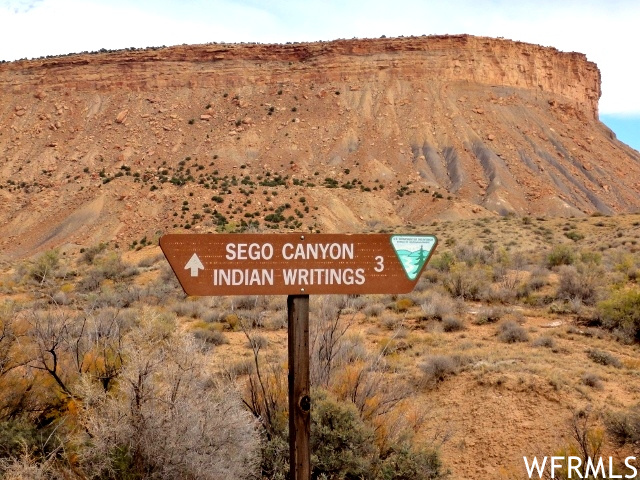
(605, 30)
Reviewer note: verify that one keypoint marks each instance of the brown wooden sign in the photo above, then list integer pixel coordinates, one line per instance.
(295, 263)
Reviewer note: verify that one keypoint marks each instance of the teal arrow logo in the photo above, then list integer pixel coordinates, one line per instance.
(413, 251)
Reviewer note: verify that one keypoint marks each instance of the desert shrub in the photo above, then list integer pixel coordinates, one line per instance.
(211, 315)
(342, 444)
(467, 283)
(389, 321)
(45, 266)
(624, 426)
(604, 358)
(61, 298)
(537, 279)
(212, 337)
(18, 435)
(245, 366)
(232, 320)
(189, 309)
(472, 255)
(437, 306)
(442, 262)
(151, 424)
(511, 332)
(573, 235)
(373, 309)
(452, 324)
(256, 341)
(437, 368)
(89, 254)
(592, 380)
(582, 282)
(621, 313)
(113, 268)
(544, 341)
(247, 302)
(490, 315)
(276, 321)
(403, 304)
(403, 463)
(561, 255)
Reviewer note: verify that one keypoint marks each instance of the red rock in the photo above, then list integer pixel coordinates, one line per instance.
(122, 116)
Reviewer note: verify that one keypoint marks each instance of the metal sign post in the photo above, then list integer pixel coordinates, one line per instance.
(297, 265)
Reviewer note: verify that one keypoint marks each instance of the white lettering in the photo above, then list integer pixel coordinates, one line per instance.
(323, 248)
(285, 255)
(247, 276)
(336, 276)
(347, 251)
(627, 463)
(312, 251)
(323, 276)
(535, 465)
(575, 468)
(318, 251)
(555, 466)
(253, 251)
(594, 470)
(289, 276)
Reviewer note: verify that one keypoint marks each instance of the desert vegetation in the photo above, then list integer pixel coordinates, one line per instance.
(107, 370)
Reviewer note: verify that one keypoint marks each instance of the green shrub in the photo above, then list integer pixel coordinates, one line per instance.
(489, 315)
(442, 262)
(45, 266)
(624, 427)
(561, 255)
(18, 436)
(342, 445)
(213, 337)
(621, 313)
(573, 235)
(403, 463)
(604, 358)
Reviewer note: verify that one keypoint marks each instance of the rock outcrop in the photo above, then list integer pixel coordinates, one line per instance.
(108, 146)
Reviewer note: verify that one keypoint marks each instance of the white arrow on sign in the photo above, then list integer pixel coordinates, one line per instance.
(194, 264)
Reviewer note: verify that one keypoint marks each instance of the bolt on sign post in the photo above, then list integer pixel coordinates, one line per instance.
(297, 265)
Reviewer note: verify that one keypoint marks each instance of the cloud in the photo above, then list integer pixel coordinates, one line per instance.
(20, 6)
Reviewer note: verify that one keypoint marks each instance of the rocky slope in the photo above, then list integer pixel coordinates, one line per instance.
(344, 136)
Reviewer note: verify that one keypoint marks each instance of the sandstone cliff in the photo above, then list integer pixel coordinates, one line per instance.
(110, 146)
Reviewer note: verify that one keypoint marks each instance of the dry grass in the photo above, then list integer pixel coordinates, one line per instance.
(469, 342)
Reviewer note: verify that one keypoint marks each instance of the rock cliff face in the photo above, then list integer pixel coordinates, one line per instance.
(462, 58)
(109, 146)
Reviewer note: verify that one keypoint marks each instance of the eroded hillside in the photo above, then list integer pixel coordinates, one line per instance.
(350, 135)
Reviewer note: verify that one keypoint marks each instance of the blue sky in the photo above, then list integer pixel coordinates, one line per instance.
(605, 30)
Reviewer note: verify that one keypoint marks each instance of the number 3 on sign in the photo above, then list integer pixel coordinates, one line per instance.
(379, 264)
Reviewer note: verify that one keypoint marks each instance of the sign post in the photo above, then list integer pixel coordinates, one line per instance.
(299, 388)
(297, 265)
